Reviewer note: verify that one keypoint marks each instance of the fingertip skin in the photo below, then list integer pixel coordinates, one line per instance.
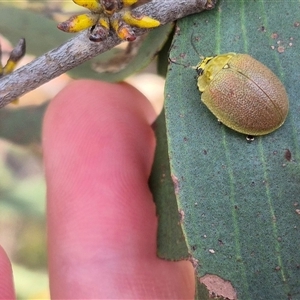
(98, 149)
(85, 101)
(6, 278)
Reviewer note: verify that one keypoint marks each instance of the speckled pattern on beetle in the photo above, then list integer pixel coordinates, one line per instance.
(242, 93)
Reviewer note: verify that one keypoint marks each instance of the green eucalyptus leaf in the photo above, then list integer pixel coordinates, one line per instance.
(170, 238)
(163, 57)
(240, 200)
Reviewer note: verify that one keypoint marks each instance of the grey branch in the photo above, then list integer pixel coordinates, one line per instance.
(80, 49)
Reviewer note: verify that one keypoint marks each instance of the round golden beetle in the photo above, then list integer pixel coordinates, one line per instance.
(242, 93)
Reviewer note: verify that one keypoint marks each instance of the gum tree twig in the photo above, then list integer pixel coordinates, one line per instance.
(80, 49)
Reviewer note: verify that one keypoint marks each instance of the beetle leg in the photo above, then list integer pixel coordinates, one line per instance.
(250, 138)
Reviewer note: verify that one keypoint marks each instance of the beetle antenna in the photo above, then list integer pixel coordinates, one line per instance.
(174, 60)
(194, 47)
(193, 44)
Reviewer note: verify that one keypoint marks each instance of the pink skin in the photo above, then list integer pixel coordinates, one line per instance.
(98, 148)
(6, 278)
